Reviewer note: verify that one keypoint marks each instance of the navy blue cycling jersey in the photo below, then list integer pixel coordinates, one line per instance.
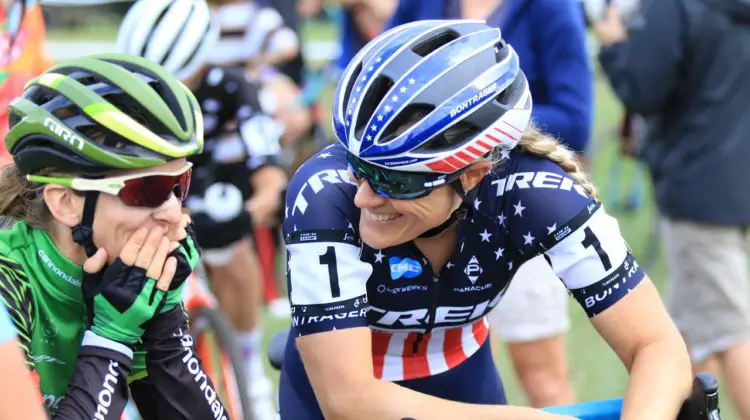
(425, 323)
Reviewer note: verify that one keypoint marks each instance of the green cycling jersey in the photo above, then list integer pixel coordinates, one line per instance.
(42, 291)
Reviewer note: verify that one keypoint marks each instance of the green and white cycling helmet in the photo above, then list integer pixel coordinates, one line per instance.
(103, 113)
(100, 114)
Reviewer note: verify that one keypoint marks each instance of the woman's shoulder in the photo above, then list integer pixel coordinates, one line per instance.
(320, 194)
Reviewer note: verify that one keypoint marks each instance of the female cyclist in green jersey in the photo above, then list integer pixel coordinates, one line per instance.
(92, 269)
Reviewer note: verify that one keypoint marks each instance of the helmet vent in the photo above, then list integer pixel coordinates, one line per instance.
(454, 136)
(429, 45)
(372, 99)
(410, 116)
(352, 82)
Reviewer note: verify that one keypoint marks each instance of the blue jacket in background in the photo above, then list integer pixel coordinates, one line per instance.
(550, 39)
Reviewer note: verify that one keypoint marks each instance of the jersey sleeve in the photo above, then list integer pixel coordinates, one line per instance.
(327, 280)
(177, 385)
(259, 132)
(16, 296)
(549, 212)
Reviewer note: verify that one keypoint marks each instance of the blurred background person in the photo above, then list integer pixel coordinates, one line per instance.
(23, 53)
(254, 37)
(684, 65)
(549, 36)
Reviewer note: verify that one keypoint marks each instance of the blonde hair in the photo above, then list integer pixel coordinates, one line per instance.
(536, 143)
(21, 199)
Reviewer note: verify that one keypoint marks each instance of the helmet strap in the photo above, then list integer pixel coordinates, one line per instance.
(458, 214)
(83, 234)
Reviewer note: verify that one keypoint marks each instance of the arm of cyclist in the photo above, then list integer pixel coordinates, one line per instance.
(653, 352)
(339, 365)
(584, 246)
(177, 385)
(566, 74)
(21, 397)
(268, 182)
(261, 135)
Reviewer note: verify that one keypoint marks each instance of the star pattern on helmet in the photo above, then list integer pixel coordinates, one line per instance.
(528, 239)
(411, 81)
(374, 127)
(403, 89)
(379, 256)
(394, 98)
(485, 236)
(499, 253)
(519, 209)
(380, 117)
(387, 108)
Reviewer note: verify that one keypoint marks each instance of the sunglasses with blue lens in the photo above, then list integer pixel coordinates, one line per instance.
(398, 185)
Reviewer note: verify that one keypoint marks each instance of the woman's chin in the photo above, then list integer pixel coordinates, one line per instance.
(377, 237)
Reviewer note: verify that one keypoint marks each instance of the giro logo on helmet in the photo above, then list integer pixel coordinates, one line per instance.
(63, 133)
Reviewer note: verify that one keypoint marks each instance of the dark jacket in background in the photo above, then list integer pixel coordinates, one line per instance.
(549, 37)
(686, 68)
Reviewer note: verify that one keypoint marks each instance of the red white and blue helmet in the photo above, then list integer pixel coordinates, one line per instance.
(458, 73)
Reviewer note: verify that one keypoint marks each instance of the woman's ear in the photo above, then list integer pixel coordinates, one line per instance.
(474, 175)
(66, 207)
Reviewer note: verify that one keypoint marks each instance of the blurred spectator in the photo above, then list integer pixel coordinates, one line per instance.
(549, 36)
(21, 397)
(23, 54)
(291, 18)
(254, 37)
(684, 65)
(361, 21)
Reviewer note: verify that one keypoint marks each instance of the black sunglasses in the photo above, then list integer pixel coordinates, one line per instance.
(399, 185)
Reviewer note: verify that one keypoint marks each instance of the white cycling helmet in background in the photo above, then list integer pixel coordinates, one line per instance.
(177, 34)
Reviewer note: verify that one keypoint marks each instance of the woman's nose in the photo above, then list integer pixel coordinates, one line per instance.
(170, 212)
(366, 197)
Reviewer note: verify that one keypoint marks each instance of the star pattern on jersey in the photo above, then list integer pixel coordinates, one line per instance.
(449, 265)
(499, 253)
(379, 256)
(477, 203)
(552, 228)
(528, 239)
(286, 212)
(324, 155)
(501, 219)
(504, 154)
(350, 225)
(485, 236)
(519, 209)
(510, 265)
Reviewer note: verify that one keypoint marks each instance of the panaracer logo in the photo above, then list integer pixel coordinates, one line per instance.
(463, 106)
(195, 369)
(58, 272)
(525, 180)
(63, 133)
(104, 399)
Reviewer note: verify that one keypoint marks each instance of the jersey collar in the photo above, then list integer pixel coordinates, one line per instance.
(60, 273)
